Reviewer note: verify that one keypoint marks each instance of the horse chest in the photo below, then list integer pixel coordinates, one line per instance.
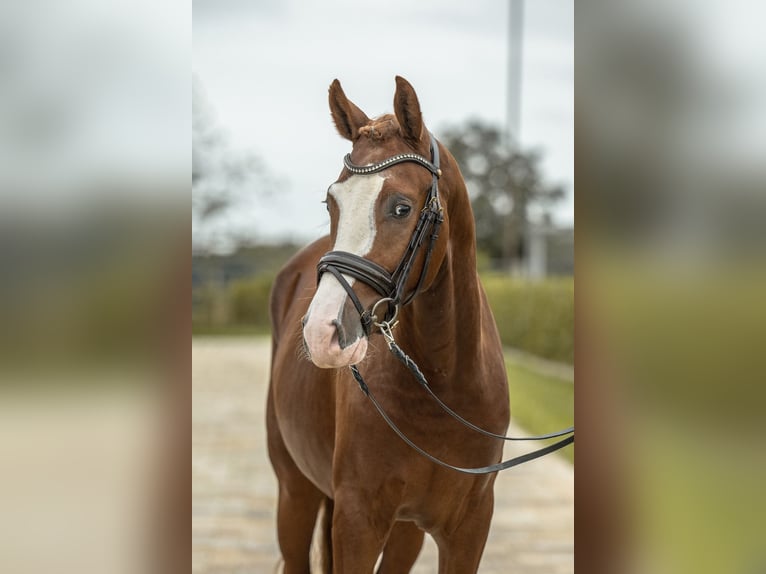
(306, 418)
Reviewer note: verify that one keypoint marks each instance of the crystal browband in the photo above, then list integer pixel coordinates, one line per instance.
(386, 163)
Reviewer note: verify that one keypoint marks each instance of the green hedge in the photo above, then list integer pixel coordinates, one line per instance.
(249, 301)
(242, 306)
(537, 317)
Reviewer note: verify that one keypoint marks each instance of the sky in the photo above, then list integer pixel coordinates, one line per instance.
(265, 66)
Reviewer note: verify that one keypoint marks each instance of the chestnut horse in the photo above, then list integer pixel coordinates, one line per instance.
(327, 444)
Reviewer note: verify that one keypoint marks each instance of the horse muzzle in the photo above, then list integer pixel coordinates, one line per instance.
(332, 330)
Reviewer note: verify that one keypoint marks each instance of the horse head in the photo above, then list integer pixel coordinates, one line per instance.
(385, 201)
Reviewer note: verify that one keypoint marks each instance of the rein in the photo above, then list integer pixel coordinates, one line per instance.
(391, 288)
(385, 328)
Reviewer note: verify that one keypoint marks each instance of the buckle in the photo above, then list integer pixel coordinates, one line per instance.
(385, 325)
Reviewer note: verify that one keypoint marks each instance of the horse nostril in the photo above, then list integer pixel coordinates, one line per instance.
(342, 339)
(304, 320)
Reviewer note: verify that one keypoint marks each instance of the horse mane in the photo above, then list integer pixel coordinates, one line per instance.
(380, 128)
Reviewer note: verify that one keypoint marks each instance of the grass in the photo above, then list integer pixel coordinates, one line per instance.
(540, 403)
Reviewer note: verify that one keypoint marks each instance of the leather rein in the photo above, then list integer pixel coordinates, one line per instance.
(391, 286)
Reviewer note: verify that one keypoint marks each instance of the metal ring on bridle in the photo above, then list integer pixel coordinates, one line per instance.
(392, 320)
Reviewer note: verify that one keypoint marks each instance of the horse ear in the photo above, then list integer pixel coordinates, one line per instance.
(407, 110)
(347, 117)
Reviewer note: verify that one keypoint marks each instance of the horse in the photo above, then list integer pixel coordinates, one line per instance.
(340, 468)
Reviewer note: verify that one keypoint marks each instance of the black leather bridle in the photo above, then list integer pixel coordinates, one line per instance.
(390, 286)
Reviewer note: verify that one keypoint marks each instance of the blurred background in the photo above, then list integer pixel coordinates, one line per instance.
(497, 90)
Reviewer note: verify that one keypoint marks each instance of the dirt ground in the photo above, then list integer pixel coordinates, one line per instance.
(234, 489)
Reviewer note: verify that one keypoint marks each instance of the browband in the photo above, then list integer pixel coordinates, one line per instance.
(388, 162)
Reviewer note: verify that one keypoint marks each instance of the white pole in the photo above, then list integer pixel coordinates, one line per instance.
(515, 43)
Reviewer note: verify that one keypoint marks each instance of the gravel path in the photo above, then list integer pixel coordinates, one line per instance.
(233, 525)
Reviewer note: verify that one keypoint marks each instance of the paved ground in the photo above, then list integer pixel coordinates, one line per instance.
(233, 527)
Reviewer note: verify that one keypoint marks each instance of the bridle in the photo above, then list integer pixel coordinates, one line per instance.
(391, 286)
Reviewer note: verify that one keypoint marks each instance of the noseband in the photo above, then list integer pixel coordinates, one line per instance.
(390, 286)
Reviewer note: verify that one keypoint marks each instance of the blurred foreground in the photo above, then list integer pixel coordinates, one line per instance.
(671, 180)
(94, 261)
(79, 473)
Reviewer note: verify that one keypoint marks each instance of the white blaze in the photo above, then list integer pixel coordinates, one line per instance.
(356, 198)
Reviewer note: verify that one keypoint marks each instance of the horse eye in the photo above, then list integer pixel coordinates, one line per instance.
(401, 210)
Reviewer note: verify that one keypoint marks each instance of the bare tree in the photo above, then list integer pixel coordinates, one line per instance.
(222, 179)
(503, 183)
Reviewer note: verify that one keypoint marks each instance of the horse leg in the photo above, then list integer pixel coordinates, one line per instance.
(298, 502)
(401, 549)
(460, 551)
(296, 516)
(359, 531)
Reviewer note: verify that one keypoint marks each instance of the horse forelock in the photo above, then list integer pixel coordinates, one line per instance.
(381, 128)
(381, 138)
